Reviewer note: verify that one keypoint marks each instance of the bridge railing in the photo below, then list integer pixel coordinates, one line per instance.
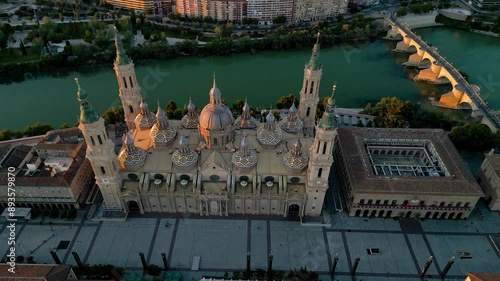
(471, 92)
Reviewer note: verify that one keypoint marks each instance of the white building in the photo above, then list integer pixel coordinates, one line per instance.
(315, 10)
(266, 10)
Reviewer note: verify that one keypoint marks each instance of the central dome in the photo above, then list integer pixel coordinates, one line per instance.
(216, 115)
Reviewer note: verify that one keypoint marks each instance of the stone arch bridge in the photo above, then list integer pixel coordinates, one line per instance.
(436, 70)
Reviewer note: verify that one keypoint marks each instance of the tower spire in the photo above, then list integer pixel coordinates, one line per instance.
(328, 121)
(121, 56)
(313, 63)
(215, 94)
(88, 114)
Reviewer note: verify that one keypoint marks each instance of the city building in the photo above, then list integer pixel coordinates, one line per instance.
(484, 4)
(156, 6)
(482, 277)
(489, 180)
(210, 163)
(403, 173)
(315, 10)
(52, 174)
(266, 10)
(230, 10)
(30, 272)
(456, 13)
(191, 8)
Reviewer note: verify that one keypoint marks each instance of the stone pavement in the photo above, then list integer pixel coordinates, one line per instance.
(223, 244)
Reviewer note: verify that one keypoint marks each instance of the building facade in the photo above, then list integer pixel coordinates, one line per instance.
(210, 163)
(230, 10)
(403, 173)
(53, 174)
(266, 10)
(315, 10)
(157, 6)
(489, 180)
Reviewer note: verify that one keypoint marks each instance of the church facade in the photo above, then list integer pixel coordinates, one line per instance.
(210, 163)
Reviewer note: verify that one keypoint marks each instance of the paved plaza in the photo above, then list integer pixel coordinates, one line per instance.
(404, 245)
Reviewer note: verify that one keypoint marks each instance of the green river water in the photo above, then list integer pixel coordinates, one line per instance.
(363, 73)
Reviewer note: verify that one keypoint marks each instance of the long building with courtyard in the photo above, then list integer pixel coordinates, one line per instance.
(53, 174)
(403, 173)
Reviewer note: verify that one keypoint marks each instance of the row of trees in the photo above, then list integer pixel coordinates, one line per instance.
(32, 130)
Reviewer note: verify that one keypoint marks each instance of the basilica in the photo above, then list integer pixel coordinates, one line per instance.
(210, 163)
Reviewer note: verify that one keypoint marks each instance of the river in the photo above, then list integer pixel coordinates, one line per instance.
(363, 73)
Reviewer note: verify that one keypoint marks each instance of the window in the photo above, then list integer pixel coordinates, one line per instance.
(312, 87)
(450, 204)
(362, 201)
(99, 138)
(466, 204)
(370, 201)
(386, 202)
(307, 83)
(215, 141)
(320, 171)
(422, 202)
(377, 202)
(394, 202)
(317, 149)
(405, 203)
(324, 148)
(459, 203)
(308, 111)
(441, 204)
(131, 84)
(125, 82)
(434, 203)
(131, 109)
(92, 140)
(103, 171)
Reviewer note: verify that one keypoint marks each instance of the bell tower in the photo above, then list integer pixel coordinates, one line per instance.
(321, 159)
(129, 90)
(309, 94)
(100, 152)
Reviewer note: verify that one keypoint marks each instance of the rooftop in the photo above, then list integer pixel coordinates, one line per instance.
(32, 272)
(458, 179)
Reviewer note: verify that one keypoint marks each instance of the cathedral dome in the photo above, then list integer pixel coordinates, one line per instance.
(162, 132)
(192, 118)
(130, 155)
(215, 115)
(145, 119)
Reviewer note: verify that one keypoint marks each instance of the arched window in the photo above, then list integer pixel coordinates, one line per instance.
(99, 138)
(125, 82)
(320, 171)
(131, 109)
(92, 140)
(131, 84)
(307, 83)
(312, 87)
(215, 141)
(103, 171)
(324, 148)
(317, 149)
(308, 111)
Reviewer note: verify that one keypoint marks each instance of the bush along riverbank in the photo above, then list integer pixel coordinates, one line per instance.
(357, 30)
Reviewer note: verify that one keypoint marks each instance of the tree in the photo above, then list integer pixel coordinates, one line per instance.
(286, 102)
(23, 48)
(5, 134)
(402, 11)
(30, 260)
(473, 138)
(19, 259)
(279, 19)
(54, 213)
(340, 18)
(302, 274)
(37, 129)
(153, 270)
(65, 126)
(148, 11)
(114, 115)
(237, 106)
(392, 112)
